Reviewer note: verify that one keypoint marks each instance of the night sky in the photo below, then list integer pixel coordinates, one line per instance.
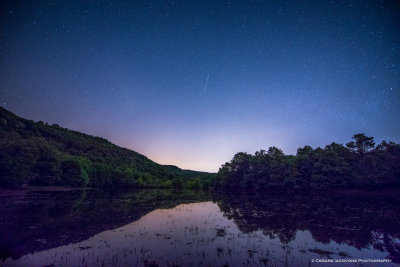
(191, 83)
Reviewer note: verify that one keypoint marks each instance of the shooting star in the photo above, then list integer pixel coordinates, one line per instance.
(205, 87)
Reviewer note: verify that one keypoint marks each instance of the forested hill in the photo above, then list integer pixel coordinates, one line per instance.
(36, 153)
(358, 164)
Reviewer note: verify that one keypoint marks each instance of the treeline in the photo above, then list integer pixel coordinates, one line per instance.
(358, 164)
(35, 153)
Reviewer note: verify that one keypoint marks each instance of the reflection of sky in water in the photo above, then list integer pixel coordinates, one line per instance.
(189, 234)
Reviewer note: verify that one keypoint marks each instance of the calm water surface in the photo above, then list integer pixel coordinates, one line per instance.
(169, 228)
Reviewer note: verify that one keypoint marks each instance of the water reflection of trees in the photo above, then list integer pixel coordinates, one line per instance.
(353, 218)
(35, 221)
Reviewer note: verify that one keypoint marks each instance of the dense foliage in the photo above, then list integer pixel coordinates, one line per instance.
(36, 153)
(358, 164)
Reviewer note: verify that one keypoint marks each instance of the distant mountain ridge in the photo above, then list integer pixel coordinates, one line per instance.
(36, 153)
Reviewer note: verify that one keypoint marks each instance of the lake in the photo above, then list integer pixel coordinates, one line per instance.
(186, 228)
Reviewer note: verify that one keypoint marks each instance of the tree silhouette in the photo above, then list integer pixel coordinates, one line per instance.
(362, 143)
